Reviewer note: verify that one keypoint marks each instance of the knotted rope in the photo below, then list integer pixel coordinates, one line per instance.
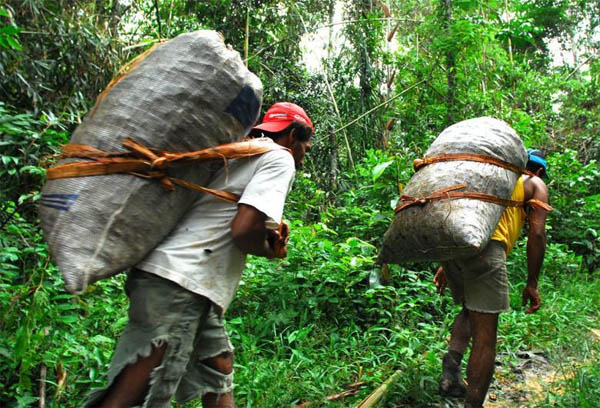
(450, 193)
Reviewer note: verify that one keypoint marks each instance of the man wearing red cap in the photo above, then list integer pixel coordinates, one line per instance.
(290, 121)
(175, 344)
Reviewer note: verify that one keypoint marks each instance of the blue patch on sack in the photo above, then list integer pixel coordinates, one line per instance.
(245, 107)
(60, 202)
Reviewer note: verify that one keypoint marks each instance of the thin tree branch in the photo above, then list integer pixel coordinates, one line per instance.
(337, 112)
(42, 400)
(579, 66)
(380, 105)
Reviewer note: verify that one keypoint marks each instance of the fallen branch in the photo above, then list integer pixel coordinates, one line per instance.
(351, 389)
(376, 395)
(344, 394)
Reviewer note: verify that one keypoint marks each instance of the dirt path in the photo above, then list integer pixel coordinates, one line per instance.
(523, 383)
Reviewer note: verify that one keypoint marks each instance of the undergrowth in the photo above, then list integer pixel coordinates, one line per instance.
(307, 326)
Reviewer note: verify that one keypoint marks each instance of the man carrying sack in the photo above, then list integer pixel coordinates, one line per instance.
(480, 284)
(175, 344)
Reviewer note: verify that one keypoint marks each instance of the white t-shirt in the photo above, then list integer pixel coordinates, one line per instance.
(199, 254)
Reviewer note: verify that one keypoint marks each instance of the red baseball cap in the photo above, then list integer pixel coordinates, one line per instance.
(281, 115)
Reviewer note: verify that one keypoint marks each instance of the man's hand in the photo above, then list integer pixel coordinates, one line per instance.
(440, 281)
(249, 232)
(531, 295)
(278, 240)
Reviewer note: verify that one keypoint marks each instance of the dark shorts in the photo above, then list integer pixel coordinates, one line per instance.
(162, 312)
(480, 283)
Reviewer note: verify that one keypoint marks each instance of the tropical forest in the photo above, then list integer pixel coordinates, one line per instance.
(328, 325)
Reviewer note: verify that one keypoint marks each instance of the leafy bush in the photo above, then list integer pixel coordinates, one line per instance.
(49, 335)
(574, 191)
(25, 141)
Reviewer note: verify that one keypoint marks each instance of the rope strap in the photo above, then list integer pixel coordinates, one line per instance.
(142, 159)
(150, 163)
(480, 158)
(169, 184)
(450, 193)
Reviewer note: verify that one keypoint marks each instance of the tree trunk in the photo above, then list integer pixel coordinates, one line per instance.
(116, 13)
(333, 161)
(450, 64)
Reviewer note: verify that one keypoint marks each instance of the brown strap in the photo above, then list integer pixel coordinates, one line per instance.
(151, 163)
(450, 193)
(418, 163)
(169, 184)
(103, 163)
(98, 167)
(223, 195)
(540, 205)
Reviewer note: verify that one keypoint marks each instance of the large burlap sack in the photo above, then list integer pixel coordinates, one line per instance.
(188, 94)
(457, 228)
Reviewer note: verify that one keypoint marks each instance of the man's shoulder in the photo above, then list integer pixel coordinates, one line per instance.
(277, 154)
(534, 187)
(535, 181)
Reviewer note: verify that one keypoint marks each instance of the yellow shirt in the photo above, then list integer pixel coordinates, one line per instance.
(512, 219)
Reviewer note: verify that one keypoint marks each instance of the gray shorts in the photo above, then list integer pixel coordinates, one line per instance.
(162, 312)
(480, 283)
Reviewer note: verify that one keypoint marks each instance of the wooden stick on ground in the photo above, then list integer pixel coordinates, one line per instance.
(376, 395)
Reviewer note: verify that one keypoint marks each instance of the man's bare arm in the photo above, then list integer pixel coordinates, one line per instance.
(250, 233)
(536, 241)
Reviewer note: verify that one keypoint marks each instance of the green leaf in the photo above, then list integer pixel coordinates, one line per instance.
(26, 400)
(379, 169)
(14, 43)
(98, 339)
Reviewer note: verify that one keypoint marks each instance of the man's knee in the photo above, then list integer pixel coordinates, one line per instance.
(223, 363)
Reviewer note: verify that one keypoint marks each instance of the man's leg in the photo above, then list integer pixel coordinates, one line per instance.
(151, 356)
(224, 364)
(131, 386)
(452, 384)
(209, 373)
(483, 354)
(461, 332)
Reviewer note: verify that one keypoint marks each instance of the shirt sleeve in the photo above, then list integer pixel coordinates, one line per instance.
(270, 184)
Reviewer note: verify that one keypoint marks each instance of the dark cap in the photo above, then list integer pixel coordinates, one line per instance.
(537, 157)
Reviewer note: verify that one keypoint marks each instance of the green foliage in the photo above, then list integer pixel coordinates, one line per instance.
(64, 60)
(305, 326)
(42, 326)
(8, 32)
(24, 144)
(575, 196)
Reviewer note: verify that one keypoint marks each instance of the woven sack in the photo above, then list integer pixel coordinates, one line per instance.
(445, 229)
(188, 94)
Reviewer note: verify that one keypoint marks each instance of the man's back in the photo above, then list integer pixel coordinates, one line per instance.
(199, 254)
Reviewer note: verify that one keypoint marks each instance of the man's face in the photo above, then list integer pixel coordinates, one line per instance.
(299, 149)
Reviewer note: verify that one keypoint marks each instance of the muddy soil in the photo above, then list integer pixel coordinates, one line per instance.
(518, 384)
